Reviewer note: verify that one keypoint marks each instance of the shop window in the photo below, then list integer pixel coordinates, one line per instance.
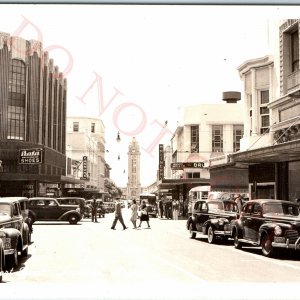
(193, 175)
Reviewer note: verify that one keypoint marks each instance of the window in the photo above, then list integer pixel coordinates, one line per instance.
(295, 50)
(264, 112)
(16, 100)
(217, 138)
(75, 126)
(238, 132)
(93, 125)
(195, 139)
(193, 175)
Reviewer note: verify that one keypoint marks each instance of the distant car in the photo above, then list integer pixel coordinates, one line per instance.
(268, 223)
(212, 218)
(49, 209)
(100, 207)
(14, 231)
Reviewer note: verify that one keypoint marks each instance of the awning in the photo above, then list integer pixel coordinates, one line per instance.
(169, 184)
(288, 151)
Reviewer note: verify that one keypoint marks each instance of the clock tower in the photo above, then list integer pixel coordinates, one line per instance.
(133, 185)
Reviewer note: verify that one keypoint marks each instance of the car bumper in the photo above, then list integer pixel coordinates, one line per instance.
(9, 251)
(222, 232)
(282, 243)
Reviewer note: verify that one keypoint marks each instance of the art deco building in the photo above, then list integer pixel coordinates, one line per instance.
(33, 96)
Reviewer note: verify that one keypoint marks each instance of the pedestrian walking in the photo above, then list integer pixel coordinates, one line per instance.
(94, 206)
(144, 214)
(175, 205)
(118, 215)
(134, 213)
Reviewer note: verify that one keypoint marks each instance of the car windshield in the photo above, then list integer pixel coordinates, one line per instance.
(230, 206)
(215, 205)
(281, 209)
(4, 209)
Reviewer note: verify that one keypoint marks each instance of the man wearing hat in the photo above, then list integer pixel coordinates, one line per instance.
(118, 215)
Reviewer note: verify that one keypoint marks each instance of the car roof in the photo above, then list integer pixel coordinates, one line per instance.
(42, 198)
(262, 201)
(12, 199)
(71, 198)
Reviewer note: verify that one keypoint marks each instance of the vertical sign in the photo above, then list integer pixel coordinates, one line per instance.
(161, 163)
(84, 167)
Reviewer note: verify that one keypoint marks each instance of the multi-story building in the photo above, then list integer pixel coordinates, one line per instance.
(209, 131)
(33, 96)
(86, 150)
(270, 147)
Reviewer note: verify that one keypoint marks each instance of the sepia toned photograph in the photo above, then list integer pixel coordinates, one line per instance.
(149, 151)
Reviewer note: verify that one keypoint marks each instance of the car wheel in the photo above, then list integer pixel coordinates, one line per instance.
(73, 219)
(192, 233)
(211, 235)
(236, 242)
(266, 246)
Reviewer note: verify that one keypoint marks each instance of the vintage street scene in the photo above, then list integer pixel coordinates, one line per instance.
(149, 151)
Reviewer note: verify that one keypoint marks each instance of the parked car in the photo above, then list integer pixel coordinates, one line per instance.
(49, 209)
(268, 223)
(14, 231)
(212, 218)
(81, 202)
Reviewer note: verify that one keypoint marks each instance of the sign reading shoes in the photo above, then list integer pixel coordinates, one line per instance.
(31, 156)
(183, 165)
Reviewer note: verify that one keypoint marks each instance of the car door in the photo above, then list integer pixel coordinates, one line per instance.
(202, 215)
(38, 207)
(245, 220)
(17, 216)
(255, 222)
(52, 210)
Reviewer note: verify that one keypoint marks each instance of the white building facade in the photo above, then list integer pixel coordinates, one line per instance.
(86, 149)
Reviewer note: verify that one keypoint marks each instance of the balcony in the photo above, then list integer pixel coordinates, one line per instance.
(293, 82)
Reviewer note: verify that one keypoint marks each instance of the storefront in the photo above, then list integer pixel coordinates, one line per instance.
(274, 171)
(179, 189)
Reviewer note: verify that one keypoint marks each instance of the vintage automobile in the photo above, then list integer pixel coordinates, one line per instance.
(49, 209)
(81, 202)
(26, 213)
(14, 231)
(268, 223)
(212, 218)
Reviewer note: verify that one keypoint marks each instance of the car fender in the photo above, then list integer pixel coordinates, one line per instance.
(236, 227)
(70, 212)
(25, 234)
(13, 234)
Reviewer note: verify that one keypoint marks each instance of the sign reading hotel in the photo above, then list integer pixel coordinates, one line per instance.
(31, 156)
(183, 165)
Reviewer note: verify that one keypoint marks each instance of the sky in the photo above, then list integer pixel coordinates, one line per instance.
(138, 66)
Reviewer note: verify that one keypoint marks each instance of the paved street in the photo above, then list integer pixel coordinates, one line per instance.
(91, 260)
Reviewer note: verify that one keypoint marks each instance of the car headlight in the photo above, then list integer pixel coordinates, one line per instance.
(2, 234)
(277, 230)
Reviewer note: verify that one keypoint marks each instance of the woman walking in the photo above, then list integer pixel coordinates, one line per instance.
(144, 214)
(134, 214)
